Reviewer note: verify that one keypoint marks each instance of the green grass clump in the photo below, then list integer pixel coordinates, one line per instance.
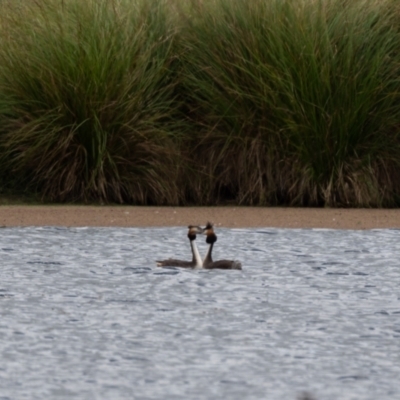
(87, 100)
(298, 102)
(201, 101)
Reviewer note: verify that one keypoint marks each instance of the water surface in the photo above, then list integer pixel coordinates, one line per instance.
(86, 314)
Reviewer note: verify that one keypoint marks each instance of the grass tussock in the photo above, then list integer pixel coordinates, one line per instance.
(87, 107)
(297, 101)
(174, 102)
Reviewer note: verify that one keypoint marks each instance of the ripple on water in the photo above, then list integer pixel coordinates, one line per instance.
(85, 313)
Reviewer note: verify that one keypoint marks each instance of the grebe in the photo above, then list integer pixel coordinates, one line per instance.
(208, 262)
(196, 260)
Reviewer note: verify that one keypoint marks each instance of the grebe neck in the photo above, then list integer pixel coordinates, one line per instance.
(196, 255)
(208, 258)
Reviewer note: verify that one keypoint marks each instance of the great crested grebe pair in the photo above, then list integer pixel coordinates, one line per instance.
(197, 262)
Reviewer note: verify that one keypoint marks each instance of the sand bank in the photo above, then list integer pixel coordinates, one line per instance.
(233, 217)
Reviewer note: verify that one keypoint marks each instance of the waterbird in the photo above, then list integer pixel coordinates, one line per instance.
(196, 259)
(208, 262)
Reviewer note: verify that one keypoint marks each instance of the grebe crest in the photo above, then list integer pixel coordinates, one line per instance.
(209, 231)
(193, 231)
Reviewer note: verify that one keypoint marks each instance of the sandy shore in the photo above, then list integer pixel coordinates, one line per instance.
(233, 217)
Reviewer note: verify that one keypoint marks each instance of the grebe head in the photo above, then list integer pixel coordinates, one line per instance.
(209, 231)
(193, 231)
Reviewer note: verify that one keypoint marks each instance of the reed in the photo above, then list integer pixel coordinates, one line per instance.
(87, 100)
(176, 102)
(297, 101)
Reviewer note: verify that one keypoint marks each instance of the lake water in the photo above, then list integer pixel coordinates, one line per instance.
(86, 314)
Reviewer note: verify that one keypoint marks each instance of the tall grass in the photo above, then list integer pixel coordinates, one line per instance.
(298, 101)
(174, 102)
(87, 103)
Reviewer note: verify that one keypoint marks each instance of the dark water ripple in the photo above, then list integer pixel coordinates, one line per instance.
(84, 313)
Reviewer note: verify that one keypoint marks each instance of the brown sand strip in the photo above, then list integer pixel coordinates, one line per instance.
(233, 217)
